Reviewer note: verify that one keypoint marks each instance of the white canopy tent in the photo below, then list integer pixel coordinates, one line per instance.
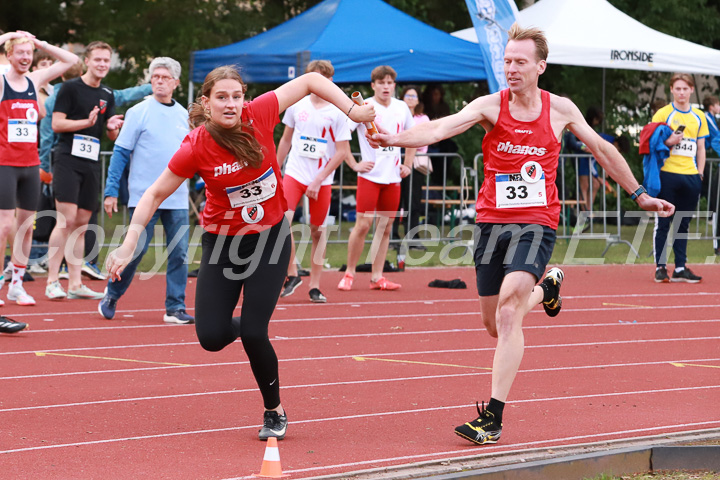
(593, 33)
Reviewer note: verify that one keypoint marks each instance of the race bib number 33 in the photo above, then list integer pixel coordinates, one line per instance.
(252, 193)
(85, 146)
(520, 190)
(23, 131)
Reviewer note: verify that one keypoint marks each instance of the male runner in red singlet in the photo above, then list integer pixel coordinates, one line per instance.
(518, 208)
(19, 161)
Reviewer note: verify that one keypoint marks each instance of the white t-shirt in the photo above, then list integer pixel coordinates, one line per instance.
(313, 141)
(395, 119)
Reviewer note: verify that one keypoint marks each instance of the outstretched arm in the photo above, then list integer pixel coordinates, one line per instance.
(163, 187)
(432, 132)
(291, 92)
(610, 159)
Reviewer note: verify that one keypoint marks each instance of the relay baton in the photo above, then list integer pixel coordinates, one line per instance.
(357, 98)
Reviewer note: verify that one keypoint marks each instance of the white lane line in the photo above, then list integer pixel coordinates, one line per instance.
(369, 335)
(393, 413)
(353, 382)
(395, 302)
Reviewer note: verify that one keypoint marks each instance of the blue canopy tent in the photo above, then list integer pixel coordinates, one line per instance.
(356, 36)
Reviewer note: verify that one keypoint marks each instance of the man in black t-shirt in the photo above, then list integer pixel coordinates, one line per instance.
(84, 108)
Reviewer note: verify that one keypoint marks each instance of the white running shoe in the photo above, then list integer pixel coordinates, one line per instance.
(18, 294)
(84, 293)
(54, 291)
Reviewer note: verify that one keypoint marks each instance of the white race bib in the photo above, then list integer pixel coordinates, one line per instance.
(22, 130)
(313, 147)
(255, 192)
(519, 190)
(391, 152)
(686, 148)
(85, 146)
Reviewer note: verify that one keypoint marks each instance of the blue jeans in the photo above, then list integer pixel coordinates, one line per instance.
(176, 224)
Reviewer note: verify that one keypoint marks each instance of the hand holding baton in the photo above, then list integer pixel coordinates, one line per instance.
(358, 99)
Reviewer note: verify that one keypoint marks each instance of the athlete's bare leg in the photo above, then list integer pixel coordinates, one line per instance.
(503, 315)
(379, 247)
(317, 254)
(356, 242)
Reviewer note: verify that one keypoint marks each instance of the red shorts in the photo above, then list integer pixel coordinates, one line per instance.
(294, 191)
(378, 197)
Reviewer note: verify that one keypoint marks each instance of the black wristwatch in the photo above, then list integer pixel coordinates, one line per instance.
(638, 192)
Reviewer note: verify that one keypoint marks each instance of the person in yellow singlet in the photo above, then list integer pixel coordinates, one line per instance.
(680, 176)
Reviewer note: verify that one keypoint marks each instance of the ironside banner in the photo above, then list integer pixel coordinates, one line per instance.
(492, 19)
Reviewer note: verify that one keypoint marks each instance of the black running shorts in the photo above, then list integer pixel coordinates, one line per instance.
(504, 248)
(77, 181)
(19, 188)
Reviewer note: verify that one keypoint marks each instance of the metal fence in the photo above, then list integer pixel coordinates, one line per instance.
(446, 204)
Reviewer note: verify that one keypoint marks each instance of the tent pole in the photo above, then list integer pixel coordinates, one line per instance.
(603, 100)
(191, 86)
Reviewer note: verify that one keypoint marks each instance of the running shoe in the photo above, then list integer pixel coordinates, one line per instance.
(91, 270)
(179, 317)
(274, 425)
(316, 296)
(84, 293)
(661, 275)
(2, 303)
(553, 279)
(291, 283)
(8, 325)
(18, 294)
(2, 280)
(63, 274)
(37, 269)
(684, 275)
(482, 430)
(383, 283)
(54, 291)
(346, 282)
(107, 307)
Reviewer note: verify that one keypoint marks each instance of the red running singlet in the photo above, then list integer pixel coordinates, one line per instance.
(509, 195)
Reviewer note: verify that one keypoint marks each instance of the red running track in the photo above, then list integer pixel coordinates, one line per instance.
(372, 379)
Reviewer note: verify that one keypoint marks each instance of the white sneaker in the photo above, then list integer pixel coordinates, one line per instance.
(2, 280)
(37, 269)
(54, 291)
(84, 293)
(63, 274)
(2, 303)
(18, 294)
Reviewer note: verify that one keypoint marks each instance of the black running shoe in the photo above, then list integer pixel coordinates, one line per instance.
(661, 275)
(274, 425)
(8, 325)
(482, 430)
(316, 296)
(290, 285)
(554, 279)
(685, 275)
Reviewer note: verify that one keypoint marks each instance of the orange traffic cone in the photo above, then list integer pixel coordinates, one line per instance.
(271, 461)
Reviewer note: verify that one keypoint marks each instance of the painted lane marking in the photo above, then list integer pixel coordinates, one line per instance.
(364, 358)
(681, 365)
(43, 354)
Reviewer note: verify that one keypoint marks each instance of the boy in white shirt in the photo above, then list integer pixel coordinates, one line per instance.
(317, 137)
(378, 190)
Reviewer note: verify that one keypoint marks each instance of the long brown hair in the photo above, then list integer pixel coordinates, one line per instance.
(238, 140)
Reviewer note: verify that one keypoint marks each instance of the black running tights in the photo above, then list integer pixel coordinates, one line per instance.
(256, 265)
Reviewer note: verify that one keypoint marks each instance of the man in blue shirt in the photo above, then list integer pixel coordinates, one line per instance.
(152, 133)
(712, 108)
